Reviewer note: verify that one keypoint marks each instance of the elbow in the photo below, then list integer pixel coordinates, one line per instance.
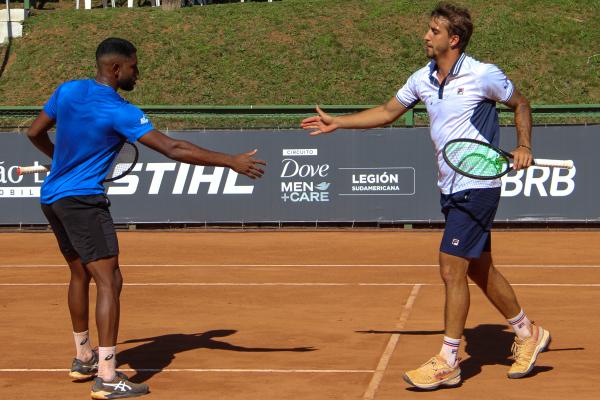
(522, 104)
(525, 105)
(174, 150)
(31, 133)
(389, 119)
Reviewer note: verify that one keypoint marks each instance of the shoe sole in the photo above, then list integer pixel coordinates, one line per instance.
(541, 347)
(109, 395)
(450, 382)
(78, 376)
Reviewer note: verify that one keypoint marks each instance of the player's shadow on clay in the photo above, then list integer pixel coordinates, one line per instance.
(488, 344)
(156, 353)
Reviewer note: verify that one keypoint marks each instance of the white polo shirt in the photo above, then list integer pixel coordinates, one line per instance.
(463, 106)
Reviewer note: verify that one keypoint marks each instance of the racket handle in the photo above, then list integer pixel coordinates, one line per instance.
(542, 162)
(33, 169)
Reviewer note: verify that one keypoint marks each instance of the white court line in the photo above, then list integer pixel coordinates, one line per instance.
(277, 371)
(307, 265)
(229, 265)
(391, 346)
(301, 284)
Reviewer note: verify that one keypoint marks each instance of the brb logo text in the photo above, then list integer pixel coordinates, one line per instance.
(553, 182)
(302, 181)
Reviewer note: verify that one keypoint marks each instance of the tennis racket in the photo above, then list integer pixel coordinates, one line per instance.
(481, 160)
(122, 164)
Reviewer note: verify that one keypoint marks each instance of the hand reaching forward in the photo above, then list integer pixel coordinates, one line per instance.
(323, 123)
(246, 165)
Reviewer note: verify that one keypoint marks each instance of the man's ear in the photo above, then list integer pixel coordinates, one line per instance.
(115, 68)
(454, 41)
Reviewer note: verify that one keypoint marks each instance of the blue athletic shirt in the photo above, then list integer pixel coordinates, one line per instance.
(92, 120)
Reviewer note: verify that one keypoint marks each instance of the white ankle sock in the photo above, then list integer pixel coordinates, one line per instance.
(83, 345)
(107, 362)
(450, 350)
(521, 325)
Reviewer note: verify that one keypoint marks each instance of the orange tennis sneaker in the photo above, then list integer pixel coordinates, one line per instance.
(433, 374)
(526, 351)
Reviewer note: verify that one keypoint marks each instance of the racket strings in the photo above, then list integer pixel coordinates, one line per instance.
(476, 159)
(123, 162)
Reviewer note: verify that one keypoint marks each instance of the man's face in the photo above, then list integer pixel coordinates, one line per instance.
(437, 39)
(128, 73)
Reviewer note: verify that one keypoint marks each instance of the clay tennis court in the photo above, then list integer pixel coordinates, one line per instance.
(303, 315)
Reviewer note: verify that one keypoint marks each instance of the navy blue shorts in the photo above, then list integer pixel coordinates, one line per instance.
(469, 215)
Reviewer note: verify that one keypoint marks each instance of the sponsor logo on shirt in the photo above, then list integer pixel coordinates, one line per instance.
(460, 91)
(144, 120)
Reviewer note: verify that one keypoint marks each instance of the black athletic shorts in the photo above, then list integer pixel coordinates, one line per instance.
(83, 227)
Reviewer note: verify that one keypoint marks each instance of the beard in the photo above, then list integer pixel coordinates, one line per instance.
(127, 85)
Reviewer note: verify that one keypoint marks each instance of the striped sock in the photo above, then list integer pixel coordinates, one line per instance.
(83, 345)
(521, 325)
(450, 350)
(107, 363)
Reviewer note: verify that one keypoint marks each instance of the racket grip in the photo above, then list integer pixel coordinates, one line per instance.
(33, 169)
(542, 162)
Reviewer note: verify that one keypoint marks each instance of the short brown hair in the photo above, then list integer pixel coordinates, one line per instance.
(459, 21)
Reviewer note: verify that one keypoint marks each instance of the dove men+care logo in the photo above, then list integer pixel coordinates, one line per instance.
(303, 179)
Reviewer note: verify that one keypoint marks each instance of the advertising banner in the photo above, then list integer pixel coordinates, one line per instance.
(378, 175)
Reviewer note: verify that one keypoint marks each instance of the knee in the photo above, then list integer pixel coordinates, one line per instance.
(80, 276)
(452, 276)
(111, 285)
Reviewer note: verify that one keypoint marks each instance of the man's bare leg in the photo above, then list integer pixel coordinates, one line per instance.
(78, 300)
(494, 285)
(108, 285)
(453, 271)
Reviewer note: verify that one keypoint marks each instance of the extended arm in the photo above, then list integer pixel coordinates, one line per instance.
(186, 152)
(38, 134)
(378, 116)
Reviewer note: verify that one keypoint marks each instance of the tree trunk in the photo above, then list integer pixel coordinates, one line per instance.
(171, 4)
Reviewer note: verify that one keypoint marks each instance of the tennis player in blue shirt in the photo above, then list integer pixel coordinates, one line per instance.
(92, 121)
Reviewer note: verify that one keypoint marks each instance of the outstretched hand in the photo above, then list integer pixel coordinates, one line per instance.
(323, 123)
(246, 165)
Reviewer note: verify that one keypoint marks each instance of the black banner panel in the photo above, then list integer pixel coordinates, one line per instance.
(378, 175)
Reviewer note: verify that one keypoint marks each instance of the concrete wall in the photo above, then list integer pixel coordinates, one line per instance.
(11, 23)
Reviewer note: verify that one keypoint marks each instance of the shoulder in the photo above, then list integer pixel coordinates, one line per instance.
(130, 115)
(73, 86)
(420, 75)
(126, 110)
(76, 83)
(482, 69)
(66, 85)
(423, 73)
(131, 122)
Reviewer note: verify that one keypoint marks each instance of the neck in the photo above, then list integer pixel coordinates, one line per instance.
(103, 80)
(445, 62)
